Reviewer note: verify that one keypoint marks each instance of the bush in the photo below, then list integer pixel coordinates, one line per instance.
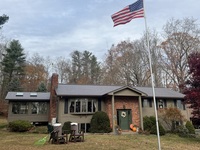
(67, 127)
(182, 131)
(170, 116)
(20, 126)
(190, 127)
(154, 130)
(149, 124)
(100, 123)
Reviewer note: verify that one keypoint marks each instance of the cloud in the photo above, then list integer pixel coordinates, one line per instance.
(56, 28)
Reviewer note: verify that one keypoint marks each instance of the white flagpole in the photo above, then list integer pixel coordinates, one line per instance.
(152, 79)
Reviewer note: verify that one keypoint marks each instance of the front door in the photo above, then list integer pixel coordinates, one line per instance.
(124, 118)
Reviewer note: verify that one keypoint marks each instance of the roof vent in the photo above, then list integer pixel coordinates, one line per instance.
(19, 94)
(33, 94)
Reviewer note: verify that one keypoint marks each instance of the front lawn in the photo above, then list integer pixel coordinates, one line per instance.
(16, 141)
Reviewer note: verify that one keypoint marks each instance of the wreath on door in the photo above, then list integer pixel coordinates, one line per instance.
(123, 114)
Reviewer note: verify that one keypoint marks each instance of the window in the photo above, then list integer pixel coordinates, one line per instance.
(160, 104)
(78, 105)
(146, 103)
(39, 108)
(20, 108)
(179, 104)
(82, 105)
(85, 127)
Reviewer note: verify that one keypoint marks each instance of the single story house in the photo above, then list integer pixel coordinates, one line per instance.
(124, 105)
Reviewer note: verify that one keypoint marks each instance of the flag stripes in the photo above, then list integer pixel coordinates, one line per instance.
(130, 12)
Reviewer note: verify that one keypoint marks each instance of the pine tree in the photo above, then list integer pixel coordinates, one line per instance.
(42, 88)
(13, 64)
(3, 20)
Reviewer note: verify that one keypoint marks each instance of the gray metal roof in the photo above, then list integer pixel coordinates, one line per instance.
(84, 90)
(161, 92)
(28, 96)
(99, 90)
(91, 90)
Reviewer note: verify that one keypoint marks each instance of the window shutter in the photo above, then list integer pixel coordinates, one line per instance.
(150, 102)
(175, 104)
(165, 103)
(99, 104)
(66, 106)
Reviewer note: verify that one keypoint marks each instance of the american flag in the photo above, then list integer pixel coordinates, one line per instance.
(135, 10)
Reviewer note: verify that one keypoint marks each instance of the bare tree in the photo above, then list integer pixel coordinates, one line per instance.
(110, 69)
(48, 65)
(155, 53)
(63, 68)
(35, 73)
(123, 64)
(128, 64)
(181, 38)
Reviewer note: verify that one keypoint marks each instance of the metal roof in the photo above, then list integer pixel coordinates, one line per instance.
(99, 90)
(84, 90)
(28, 96)
(161, 92)
(92, 90)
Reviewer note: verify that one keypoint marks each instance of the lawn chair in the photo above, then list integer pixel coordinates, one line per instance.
(57, 136)
(76, 135)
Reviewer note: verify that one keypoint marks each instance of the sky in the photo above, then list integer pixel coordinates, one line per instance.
(58, 27)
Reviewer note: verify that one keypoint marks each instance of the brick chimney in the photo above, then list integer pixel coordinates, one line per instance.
(53, 98)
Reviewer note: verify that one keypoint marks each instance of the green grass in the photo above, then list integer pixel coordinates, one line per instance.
(25, 141)
(15, 141)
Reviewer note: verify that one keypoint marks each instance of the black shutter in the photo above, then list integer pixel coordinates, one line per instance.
(150, 102)
(175, 103)
(99, 104)
(165, 103)
(66, 106)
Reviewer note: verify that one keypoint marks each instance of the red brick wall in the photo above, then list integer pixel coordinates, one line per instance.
(53, 99)
(123, 102)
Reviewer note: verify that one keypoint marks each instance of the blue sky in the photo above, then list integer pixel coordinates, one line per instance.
(58, 27)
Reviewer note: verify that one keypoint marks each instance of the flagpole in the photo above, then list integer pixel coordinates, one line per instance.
(152, 79)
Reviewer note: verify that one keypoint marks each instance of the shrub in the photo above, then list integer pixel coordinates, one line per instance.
(161, 130)
(67, 126)
(182, 131)
(149, 124)
(20, 126)
(190, 127)
(100, 123)
(170, 116)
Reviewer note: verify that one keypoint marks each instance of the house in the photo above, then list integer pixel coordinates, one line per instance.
(30, 106)
(77, 103)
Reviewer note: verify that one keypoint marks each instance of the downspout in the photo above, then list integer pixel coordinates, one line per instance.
(141, 115)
